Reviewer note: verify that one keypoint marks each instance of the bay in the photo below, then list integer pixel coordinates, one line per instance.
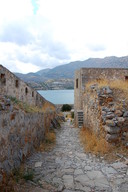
(58, 96)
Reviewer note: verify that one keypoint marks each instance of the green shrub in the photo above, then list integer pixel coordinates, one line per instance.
(66, 107)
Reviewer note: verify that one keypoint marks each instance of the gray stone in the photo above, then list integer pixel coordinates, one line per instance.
(125, 114)
(118, 113)
(95, 174)
(120, 121)
(110, 123)
(38, 164)
(107, 90)
(124, 187)
(82, 188)
(110, 116)
(68, 171)
(78, 172)
(119, 165)
(82, 179)
(101, 183)
(68, 181)
(87, 168)
(109, 171)
(112, 137)
(112, 130)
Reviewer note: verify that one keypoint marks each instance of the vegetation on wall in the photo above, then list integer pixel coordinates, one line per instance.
(31, 109)
(115, 84)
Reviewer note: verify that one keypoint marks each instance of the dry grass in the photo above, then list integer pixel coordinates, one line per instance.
(99, 146)
(93, 143)
(119, 87)
(49, 142)
(115, 84)
(48, 107)
(31, 109)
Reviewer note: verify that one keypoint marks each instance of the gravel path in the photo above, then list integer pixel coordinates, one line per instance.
(68, 169)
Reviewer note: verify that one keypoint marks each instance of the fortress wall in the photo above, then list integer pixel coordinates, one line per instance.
(85, 75)
(20, 133)
(12, 86)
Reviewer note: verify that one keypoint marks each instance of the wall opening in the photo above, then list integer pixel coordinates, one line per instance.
(3, 79)
(126, 78)
(26, 90)
(76, 83)
(17, 83)
(32, 93)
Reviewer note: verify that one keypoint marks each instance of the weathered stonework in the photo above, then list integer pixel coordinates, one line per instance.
(12, 86)
(20, 134)
(84, 75)
(103, 115)
(20, 131)
(100, 106)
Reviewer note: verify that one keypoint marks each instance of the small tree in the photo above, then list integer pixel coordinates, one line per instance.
(66, 107)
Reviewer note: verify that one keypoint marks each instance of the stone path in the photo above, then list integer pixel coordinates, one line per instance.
(68, 169)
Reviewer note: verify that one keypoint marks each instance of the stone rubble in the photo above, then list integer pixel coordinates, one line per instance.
(67, 168)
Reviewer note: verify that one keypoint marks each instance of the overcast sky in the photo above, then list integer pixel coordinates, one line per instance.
(39, 34)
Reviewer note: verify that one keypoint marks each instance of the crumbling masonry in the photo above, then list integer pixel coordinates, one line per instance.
(101, 108)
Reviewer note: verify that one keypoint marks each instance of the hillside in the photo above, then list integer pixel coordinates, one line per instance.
(67, 71)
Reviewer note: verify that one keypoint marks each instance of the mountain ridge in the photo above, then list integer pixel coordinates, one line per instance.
(66, 71)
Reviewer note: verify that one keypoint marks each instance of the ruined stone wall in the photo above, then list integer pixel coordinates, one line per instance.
(105, 112)
(12, 86)
(84, 75)
(20, 133)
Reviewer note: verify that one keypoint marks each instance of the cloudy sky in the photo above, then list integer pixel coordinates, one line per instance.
(39, 34)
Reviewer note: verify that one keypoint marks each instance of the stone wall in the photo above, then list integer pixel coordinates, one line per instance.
(20, 133)
(12, 86)
(105, 112)
(84, 75)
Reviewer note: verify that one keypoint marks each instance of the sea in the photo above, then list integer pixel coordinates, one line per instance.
(58, 96)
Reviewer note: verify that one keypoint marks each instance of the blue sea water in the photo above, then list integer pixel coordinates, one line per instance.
(58, 96)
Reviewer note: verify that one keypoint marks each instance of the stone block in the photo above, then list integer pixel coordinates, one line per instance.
(112, 137)
(107, 90)
(118, 113)
(110, 123)
(125, 114)
(120, 121)
(112, 130)
(110, 116)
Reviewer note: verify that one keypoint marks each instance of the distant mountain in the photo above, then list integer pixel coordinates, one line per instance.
(67, 70)
(43, 71)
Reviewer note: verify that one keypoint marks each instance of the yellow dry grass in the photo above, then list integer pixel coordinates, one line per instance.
(49, 142)
(93, 143)
(48, 107)
(115, 84)
(120, 87)
(32, 109)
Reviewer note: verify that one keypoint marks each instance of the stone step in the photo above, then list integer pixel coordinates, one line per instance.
(80, 118)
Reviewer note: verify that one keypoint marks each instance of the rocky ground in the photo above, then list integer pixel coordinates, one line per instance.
(66, 168)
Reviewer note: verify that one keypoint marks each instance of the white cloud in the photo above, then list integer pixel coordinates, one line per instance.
(39, 34)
